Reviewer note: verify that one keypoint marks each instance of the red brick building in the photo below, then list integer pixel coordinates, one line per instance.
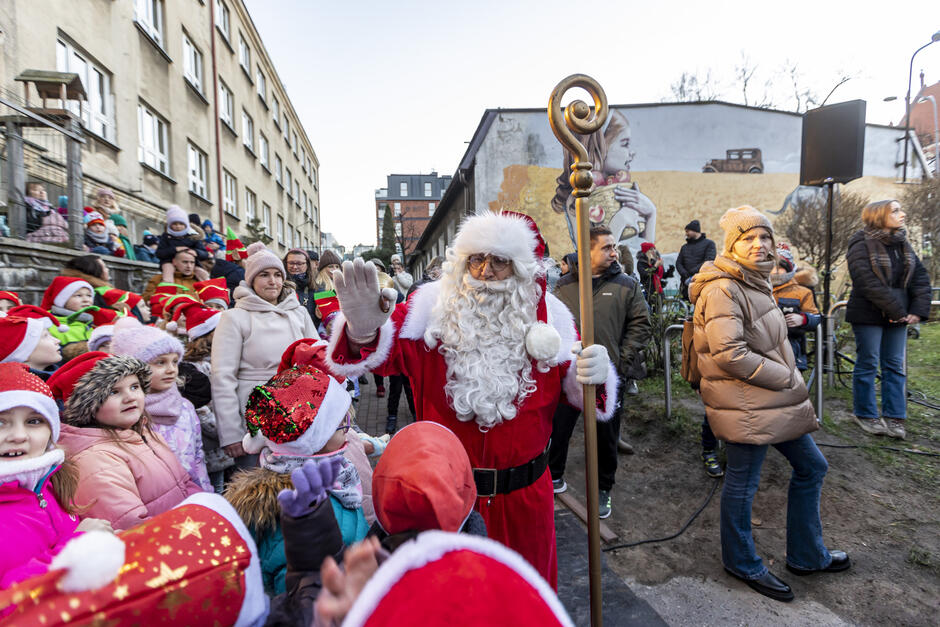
(412, 199)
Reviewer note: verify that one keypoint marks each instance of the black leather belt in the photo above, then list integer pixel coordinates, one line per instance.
(492, 481)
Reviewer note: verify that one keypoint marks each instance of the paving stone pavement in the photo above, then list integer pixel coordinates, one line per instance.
(371, 411)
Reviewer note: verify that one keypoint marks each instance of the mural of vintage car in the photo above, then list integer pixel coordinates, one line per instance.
(738, 160)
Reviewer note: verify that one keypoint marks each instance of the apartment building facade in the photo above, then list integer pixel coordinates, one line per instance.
(413, 200)
(184, 107)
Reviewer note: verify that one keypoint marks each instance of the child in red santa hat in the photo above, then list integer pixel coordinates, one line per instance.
(8, 300)
(25, 338)
(70, 300)
(38, 515)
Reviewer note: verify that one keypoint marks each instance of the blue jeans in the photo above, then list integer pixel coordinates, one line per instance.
(885, 346)
(805, 547)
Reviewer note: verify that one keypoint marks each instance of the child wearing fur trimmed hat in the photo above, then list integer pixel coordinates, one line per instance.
(302, 413)
(126, 471)
(25, 338)
(197, 389)
(173, 417)
(37, 487)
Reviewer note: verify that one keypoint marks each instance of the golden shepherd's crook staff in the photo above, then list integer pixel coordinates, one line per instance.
(580, 118)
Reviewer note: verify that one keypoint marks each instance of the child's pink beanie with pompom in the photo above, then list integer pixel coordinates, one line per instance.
(133, 339)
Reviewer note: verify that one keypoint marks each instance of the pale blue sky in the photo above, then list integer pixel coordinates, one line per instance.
(384, 86)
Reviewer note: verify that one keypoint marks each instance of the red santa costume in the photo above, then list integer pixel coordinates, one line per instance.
(490, 360)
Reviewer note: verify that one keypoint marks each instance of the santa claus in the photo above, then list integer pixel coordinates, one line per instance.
(489, 355)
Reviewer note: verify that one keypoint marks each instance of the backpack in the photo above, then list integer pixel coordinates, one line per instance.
(689, 368)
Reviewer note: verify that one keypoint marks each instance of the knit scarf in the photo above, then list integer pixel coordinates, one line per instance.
(781, 278)
(37, 205)
(877, 242)
(101, 238)
(164, 407)
(62, 312)
(754, 273)
(347, 487)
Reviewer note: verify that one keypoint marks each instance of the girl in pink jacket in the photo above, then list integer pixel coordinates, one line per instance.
(37, 517)
(126, 472)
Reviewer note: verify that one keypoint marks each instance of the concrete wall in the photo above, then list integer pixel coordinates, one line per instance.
(28, 269)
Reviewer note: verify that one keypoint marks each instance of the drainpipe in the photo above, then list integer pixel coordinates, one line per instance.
(215, 110)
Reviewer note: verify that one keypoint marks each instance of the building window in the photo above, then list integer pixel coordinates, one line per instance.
(153, 149)
(403, 189)
(251, 201)
(229, 194)
(286, 128)
(427, 190)
(149, 14)
(398, 229)
(226, 104)
(266, 217)
(192, 64)
(98, 114)
(276, 111)
(197, 170)
(431, 207)
(297, 191)
(293, 142)
(277, 169)
(280, 230)
(313, 175)
(223, 19)
(262, 85)
(303, 159)
(263, 150)
(303, 202)
(397, 209)
(248, 131)
(288, 182)
(244, 54)
(298, 238)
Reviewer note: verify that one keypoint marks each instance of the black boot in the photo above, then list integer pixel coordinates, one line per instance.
(391, 425)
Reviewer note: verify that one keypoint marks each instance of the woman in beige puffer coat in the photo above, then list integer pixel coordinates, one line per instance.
(249, 341)
(755, 397)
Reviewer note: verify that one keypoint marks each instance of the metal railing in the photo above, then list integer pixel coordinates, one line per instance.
(667, 366)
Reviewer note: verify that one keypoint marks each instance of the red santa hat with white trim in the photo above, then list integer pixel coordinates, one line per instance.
(213, 290)
(21, 330)
(61, 290)
(200, 321)
(20, 388)
(435, 581)
(13, 297)
(516, 237)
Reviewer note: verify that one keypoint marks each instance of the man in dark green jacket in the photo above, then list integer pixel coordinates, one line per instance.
(622, 326)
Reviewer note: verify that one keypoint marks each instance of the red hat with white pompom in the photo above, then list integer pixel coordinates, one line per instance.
(61, 290)
(516, 237)
(436, 580)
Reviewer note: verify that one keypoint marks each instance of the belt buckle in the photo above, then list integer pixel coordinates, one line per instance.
(483, 472)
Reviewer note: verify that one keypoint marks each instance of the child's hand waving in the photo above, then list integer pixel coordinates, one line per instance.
(311, 482)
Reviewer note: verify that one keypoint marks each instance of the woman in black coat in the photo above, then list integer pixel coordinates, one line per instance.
(890, 289)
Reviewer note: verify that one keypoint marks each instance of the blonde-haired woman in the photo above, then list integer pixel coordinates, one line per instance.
(890, 289)
(755, 397)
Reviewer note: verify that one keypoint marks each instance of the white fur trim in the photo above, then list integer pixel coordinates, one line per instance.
(171, 326)
(420, 306)
(542, 341)
(34, 329)
(27, 472)
(431, 546)
(204, 328)
(254, 444)
(498, 234)
(560, 317)
(359, 368)
(255, 603)
(574, 391)
(92, 560)
(42, 403)
(330, 415)
(69, 290)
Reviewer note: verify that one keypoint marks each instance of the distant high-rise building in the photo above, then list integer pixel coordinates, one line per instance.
(412, 199)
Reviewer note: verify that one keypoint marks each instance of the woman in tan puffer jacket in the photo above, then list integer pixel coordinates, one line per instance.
(755, 397)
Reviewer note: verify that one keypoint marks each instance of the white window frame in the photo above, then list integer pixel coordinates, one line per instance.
(266, 217)
(293, 142)
(428, 190)
(397, 209)
(303, 159)
(276, 111)
(244, 54)
(264, 151)
(398, 229)
(280, 229)
(229, 193)
(286, 128)
(97, 114)
(313, 176)
(223, 19)
(153, 148)
(149, 15)
(431, 207)
(226, 104)
(251, 204)
(403, 189)
(278, 169)
(297, 190)
(288, 183)
(248, 131)
(303, 202)
(261, 84)
(197, 168)
(192, 63)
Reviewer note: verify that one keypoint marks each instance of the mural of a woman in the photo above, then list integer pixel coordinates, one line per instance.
(617, 201)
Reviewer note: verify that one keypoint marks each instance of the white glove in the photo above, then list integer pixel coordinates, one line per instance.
(365, 308)
(592, 362)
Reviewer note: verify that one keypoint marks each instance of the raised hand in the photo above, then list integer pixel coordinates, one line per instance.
(311, 482)
(341, 589)
(363, 305)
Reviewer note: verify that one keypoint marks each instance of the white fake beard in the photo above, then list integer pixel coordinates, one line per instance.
(481, 327)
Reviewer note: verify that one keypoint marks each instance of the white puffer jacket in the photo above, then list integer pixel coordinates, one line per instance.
(246, 351)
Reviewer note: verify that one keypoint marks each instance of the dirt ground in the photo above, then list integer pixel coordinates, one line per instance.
(882, 507)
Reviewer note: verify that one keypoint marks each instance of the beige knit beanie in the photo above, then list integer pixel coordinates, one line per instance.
(260, 258)
(738, 221)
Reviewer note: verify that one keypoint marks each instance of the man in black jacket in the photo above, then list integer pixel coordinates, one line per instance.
(622, 326)
(697, 250)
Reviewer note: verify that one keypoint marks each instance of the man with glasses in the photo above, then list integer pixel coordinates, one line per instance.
(490, 355)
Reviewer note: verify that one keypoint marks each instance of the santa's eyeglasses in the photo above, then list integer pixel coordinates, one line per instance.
(495, 263)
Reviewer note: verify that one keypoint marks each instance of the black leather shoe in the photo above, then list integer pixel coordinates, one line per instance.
(840, 561)
(768, 585)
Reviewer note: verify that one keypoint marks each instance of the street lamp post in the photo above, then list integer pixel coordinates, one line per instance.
(907, 101)
(936, 135)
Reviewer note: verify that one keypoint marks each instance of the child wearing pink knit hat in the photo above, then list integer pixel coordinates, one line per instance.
(172, 416)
